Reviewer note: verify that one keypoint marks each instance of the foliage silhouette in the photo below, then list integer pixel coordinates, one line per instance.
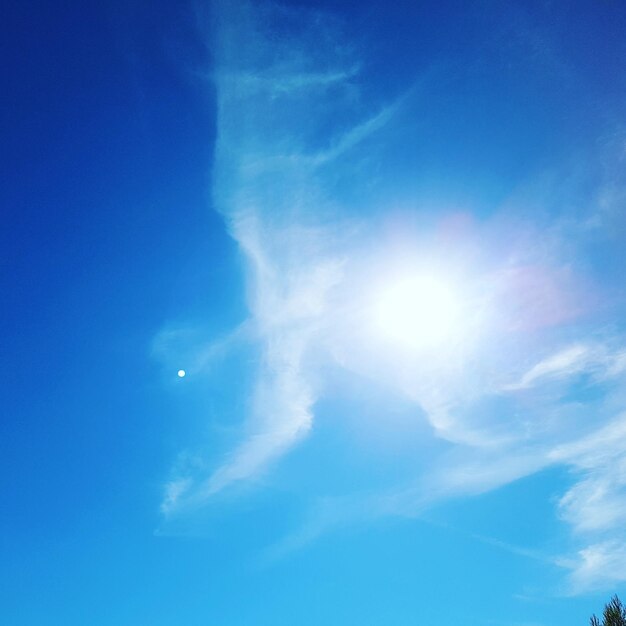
(614, 614)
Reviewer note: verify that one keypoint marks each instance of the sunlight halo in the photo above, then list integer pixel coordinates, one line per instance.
(417, 312)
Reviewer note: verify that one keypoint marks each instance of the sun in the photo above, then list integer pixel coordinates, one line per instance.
(417, 311)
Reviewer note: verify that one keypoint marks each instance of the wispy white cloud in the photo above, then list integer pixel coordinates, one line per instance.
(596, 360)
(354, 136)
(598, 502)
(595, 506)
(279, 81)
(532, 381)
(561, 365)
(597, 567)
(174, 489)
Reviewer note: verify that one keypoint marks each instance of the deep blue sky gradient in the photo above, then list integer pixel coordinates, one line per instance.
(108, 126)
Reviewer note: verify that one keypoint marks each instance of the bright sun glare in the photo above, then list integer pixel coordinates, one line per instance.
(417, 312)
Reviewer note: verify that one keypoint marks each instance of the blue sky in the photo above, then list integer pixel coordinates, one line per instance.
(385, 243)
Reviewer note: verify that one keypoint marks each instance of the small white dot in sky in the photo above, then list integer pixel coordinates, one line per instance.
(181, 373)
